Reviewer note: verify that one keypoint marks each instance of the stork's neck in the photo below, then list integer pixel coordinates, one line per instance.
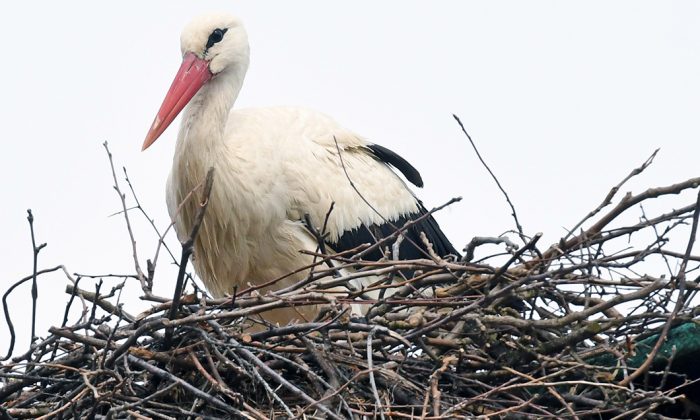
(204, 121)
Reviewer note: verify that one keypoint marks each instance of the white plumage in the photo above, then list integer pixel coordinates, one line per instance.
(273, 166)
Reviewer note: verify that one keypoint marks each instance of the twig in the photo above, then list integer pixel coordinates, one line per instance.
(680, 301)
(143, 211)
(481, 240)
(6, 308)
(102, 303)
(627, 202)
(142, 278)
(613, 191)
(35, 290)
(172, 378)
(512, 207)
(161, 238)
(370, 369)
(187, 247)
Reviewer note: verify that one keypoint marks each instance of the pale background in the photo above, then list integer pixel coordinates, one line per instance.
(563, 99)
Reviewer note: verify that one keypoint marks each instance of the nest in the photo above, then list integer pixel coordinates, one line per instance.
(573, 330)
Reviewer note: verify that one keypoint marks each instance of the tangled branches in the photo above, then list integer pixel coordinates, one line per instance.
(570, 331)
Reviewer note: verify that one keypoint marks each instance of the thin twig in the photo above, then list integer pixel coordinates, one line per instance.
(142, 278)
(35, 290)
(680, 301)
(613, 191)
(187, 248)
(518, 226)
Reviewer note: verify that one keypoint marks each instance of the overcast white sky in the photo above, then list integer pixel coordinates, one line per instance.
(563, 99)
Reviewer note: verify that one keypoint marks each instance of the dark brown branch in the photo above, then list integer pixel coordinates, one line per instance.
(188, 244)
(35, 290)
(6, 308)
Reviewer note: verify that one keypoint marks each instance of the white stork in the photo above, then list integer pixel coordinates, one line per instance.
(273, 167)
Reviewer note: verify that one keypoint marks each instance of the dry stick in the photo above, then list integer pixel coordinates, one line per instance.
(499, 414)
(219, 386)
(44, 370)
(643, 413)
(215, 372)
(185, 385)
(614, 190)
(370, 369)
(320, 237)
(311, 374)
(480, 397)
(137, 415)
(161, 239)
(66, 312)
(98, 286)
(512, 207)
(336, 392)
(66, 406)
(667, 370)
(187, 248)
(251, 358)
(79, 338)
(434, 391)
(550, 389)
(271, 392)
(502, 270)
(680, 213)
(142, 278)
(6, 308)
(320, 241)
(481, 301)
(680, 301)
(73, 294)
(35, 290)
(106, 305)
(573, 316)
(482, 240)
(22, 413)
(602, 237)
(625, 203)
(141, 209)
(323, 260)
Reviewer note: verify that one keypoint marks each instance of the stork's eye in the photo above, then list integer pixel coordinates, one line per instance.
(216, 36)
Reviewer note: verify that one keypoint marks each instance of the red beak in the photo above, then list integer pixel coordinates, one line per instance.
(193, 74)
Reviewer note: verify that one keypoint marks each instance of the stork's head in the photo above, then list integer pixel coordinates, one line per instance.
(211, 45)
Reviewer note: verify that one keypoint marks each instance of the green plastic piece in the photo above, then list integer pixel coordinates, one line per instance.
(685, 338)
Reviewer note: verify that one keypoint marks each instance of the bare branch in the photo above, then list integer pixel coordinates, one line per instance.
(518, 226)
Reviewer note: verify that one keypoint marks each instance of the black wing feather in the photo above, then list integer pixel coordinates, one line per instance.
(392, 158)
(412, 247)
(409, 249)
